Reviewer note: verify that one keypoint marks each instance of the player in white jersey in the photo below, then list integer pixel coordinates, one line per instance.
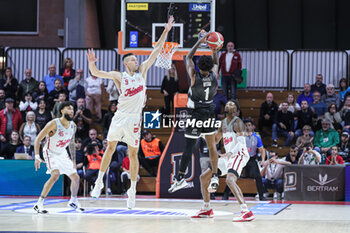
(126, 123)
(59, 135)
(230, 164)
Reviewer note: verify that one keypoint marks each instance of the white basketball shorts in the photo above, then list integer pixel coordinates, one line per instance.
(61, 162)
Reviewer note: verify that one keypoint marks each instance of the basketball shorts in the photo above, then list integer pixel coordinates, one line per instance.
(204, 123)
(60, 162)
(234, 164)
(126, 128)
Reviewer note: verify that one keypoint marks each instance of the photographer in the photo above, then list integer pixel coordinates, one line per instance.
(94, 156)
(82, 119)
(309, 156)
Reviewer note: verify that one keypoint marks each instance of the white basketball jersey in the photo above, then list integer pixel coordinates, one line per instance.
(229, 136)
(58, 142)
(133, 94)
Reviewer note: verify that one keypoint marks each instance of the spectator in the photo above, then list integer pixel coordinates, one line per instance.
(230, 63)
(220, 102)
(107, 118)
(170, 86)
(93, 87)
(345, 114)
(304, 117)
(42, 115)
(41, 93)
(293, 156)
(326, 137)
(50, 78)
(9, 84)
(283, 125)
(344, 146)
(293, 106)
(56, 108)
(82, 119)
(318, 106)
(113, 92)
(9, 149)
(151, 148)
(81, 160)
(53, 95)
(116, 165)
(334, 116)
(28, 104)
(319, 86)
(29, 128)
(2, 99)
(268, 112)
(76, 86)
(309, 156)
(67, 72)
(273, 173)
(343, 89)
(304, 139)
(254, 143)
(306, 95)
(125, 176)
(94, 157)
(26, 148)
(28, 84)
(334, 158)
(92, 137)
(10, 120)
(331, 96)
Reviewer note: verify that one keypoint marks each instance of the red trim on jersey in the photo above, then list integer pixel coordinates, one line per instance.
(48, 159)
(234, 162)
(239, 162)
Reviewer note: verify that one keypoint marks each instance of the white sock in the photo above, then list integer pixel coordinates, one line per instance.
(133, 185)
(73, 199)
(244, 207)
(41, 200)
(206, 206)
(100, 176)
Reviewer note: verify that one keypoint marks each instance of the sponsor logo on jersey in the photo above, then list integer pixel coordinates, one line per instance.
(62, 143)
(133, 91)
(228, 140)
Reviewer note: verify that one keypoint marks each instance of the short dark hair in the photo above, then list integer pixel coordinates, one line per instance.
(293, 147)
(58, 80)
(205, 63)
(65, 104)
(249, 120)
(62, 92)
(127, 55)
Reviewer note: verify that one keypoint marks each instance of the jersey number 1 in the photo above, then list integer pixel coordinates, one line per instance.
(206, 93)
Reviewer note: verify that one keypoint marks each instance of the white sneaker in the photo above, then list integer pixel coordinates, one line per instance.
(266, 195)
(177, 185)
(282, 196)
(75, 205)
(214, 184)
(96, 192)
(275, 195)
(257, 196)
(245, 216)
(39, 208)
(130, 202)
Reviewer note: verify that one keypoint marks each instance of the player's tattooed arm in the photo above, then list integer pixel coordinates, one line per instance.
(72, 149)
(239, 127)
(114, 75)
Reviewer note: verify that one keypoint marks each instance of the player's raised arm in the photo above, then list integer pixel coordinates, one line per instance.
(216, 63)
(190, 66)
(157, 48)
(114, 75)
(51, 126)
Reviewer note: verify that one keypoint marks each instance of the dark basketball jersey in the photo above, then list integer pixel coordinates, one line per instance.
(201, 94)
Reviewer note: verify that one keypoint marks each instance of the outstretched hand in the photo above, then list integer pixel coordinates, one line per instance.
(91, 55)
(170, 24)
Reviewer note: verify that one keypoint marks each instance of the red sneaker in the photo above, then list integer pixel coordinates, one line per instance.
(245, 216)
(204, 214)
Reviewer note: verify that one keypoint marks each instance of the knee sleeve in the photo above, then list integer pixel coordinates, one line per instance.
(186, 156)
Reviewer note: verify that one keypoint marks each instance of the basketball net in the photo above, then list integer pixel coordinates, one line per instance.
(164, 58)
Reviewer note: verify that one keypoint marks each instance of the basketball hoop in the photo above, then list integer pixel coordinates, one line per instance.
(164, 58)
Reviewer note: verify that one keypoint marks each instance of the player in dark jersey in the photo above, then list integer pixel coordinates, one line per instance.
(201, 106)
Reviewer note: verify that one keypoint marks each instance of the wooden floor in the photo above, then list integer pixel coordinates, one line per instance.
(168, 216)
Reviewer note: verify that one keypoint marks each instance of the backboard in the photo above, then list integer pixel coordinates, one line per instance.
(142, 22)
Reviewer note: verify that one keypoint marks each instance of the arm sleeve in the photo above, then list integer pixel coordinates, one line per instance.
(260, 144)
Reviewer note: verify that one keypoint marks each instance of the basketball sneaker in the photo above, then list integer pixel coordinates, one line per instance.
(245, 216)
(177, 185)
(204, 214)
(96, 192)
(75, 205)
(130, 202)
(214, 184)
(39, 208)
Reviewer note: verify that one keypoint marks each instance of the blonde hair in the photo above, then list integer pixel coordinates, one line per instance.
(28, 113)
(175, 73)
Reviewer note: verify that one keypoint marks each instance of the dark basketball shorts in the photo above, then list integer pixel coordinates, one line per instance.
(202, 122)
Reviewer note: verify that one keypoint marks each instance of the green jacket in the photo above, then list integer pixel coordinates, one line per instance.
(326, 139)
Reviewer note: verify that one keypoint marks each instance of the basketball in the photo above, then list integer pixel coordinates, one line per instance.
(215, 40)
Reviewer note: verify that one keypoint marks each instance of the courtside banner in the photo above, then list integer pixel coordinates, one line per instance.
(314, 183)
(170, 162)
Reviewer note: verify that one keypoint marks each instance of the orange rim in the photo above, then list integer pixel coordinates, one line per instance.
(168, 46)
